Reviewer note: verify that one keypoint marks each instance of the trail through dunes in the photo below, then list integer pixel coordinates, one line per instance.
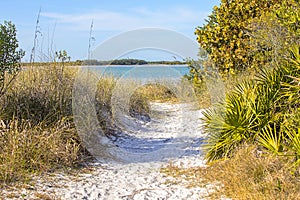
(174, 135)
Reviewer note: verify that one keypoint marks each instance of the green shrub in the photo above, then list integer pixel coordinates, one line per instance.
(10, 56)
(226, 34)
(256, 111)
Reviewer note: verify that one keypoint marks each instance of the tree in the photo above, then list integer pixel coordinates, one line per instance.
(226, 35)
(10, 56)
(275, 32)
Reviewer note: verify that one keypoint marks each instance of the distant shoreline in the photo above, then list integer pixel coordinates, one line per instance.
(146, 65)
(121, 62)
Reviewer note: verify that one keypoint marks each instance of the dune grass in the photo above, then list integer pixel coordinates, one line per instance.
(37, 131)
(36, 121)
(157, 92)
(28, 148)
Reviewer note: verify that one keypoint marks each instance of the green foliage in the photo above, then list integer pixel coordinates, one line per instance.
(270, 139)
(226, 35)
(274, 32)
(115, 62)
(261, 111)
(243, 34)
(10, 56)
(196, 74)
(288, 13)
(62, 56)
(130, 62)
(232, 123)
(292, 131)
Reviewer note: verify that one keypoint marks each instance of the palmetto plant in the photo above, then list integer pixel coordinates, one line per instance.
(256, 112)
(271, 139)
(232, 122)
(291, 96)
(292, 131)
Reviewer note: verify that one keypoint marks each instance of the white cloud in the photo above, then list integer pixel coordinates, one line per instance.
(174, 18)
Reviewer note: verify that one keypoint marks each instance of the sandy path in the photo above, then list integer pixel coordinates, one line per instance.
(174, 134)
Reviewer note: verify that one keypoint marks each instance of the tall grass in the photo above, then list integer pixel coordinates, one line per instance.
(36, 123)
(27, 148)
(37, 131)
(42, 94)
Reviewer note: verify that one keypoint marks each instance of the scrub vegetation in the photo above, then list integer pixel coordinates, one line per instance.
(252, 147)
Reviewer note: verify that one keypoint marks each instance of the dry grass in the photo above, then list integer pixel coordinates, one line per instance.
(248, 175)
(37, 132)
(157, 92)
(27, 148)
(40, 95)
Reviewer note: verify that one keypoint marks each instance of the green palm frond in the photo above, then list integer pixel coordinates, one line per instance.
(294, 136)
(271, 139)
(292, 131)
(232, 123)
(254, 112)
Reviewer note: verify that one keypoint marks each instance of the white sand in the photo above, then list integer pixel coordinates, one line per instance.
(174, 134)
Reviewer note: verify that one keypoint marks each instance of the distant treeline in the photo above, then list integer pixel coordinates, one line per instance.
(115, 62)
(112, 62)
(130, 62)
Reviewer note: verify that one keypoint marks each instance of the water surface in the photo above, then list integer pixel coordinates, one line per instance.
(141, 71)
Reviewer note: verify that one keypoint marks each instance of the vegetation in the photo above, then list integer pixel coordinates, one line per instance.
(253, 142)
(248, 175)
(226, 35)
(130, 62)
(114, 62)
(28, 148)
(37, 128)
(247, 116)
(37, 131)
(10, 56)
(253, 139)
(157, 92)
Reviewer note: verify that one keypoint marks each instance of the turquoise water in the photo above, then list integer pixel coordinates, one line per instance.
(141, 71)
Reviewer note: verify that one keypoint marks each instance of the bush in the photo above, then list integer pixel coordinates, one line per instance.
(226, 34)
(10, 57)
(257, 111)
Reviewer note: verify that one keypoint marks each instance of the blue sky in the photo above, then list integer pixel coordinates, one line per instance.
(65, 24)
